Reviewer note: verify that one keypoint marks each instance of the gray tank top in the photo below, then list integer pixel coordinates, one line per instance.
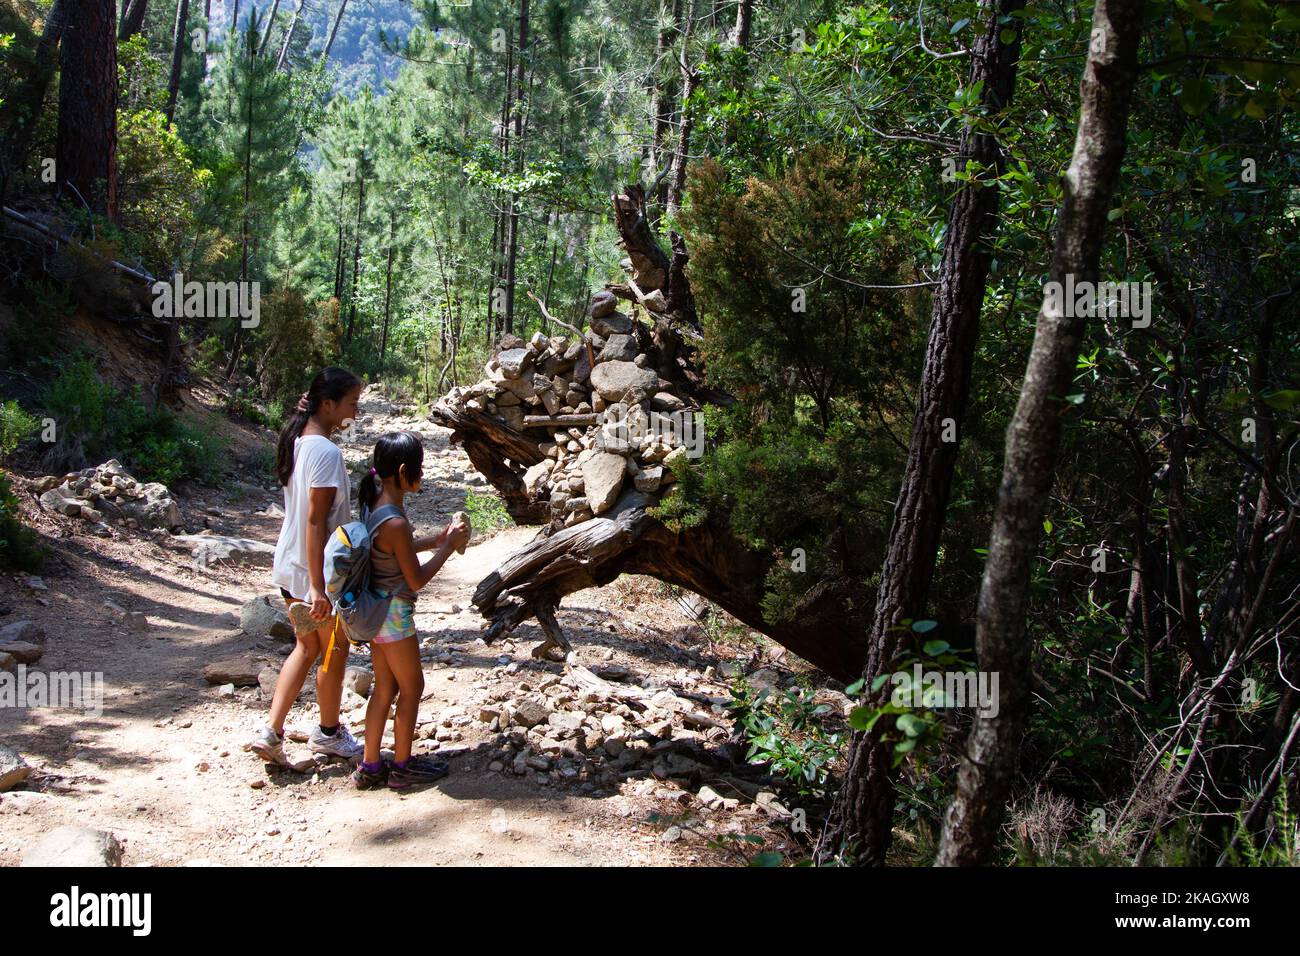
(385, 574)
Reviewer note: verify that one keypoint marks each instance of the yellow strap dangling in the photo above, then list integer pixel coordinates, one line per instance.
(324, 668)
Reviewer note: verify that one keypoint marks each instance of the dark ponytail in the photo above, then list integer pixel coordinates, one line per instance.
(393, 451)
(330, 384)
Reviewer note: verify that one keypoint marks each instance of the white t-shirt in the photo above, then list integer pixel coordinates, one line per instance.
(317, 463)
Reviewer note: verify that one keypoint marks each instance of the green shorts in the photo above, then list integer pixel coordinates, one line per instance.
(400, 623)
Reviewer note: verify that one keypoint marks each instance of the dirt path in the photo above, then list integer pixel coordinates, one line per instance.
(163, 766)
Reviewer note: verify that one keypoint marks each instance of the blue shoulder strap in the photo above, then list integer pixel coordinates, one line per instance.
(377, 517)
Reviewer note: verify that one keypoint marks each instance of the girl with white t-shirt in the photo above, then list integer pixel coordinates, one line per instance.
(316, 502)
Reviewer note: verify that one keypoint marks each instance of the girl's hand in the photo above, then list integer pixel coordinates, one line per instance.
(320, 605)
(458, 536)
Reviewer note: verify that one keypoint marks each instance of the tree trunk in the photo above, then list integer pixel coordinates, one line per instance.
(245, 232)
(356, 248)
(178, 51)
(512, 254)
(132, 18)
(706, 559)
(270, 22)
(388, 288)
(26, 104)
(661, 111)
(338, 247)
(678, 186)
(86, 154)
(862, 818)
(288, 35)
(744, 16)
(973, 819)
(334, 31)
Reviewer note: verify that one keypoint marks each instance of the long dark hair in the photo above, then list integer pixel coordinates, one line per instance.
(330, 384)
(393, 451)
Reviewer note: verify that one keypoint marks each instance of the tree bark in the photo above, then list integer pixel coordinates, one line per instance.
(512, 254)
(132, 19)
(862, 818)
(974, 817)
(334, 31)
(178, 52)
(86, 153)
(356, 246)
(744, 16)
(27, 102)
(678, 187)
(288, 35)
(270, 22)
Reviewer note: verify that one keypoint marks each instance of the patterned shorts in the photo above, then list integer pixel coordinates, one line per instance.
(400, 623)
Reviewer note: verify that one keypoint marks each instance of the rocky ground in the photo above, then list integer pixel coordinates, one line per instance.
(623, 754)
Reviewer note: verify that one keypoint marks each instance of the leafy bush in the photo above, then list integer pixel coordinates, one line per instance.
(15, 426)
(18, 547)
(789, 732)
(293, 341)
(486, 511)
(95, 421)
(267, 414)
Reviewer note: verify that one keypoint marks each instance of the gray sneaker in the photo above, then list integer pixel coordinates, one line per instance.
(268, 745)
(342, 744)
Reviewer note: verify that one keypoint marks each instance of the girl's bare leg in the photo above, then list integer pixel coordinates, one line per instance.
(329, 684)
(381, 699)
(292, 676)
(403, 660)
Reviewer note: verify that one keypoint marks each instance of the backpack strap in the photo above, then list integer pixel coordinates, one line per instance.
(377, 517)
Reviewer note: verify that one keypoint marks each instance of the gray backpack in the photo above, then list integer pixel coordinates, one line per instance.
(361, 609)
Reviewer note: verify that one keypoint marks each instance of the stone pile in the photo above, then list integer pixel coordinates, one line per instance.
(109, 493)
(596, 726)
(602, 417)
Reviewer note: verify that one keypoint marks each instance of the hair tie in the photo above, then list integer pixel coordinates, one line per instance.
(303, 404)
(373, 472)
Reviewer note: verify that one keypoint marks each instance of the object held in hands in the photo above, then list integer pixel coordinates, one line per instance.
(301, 619)
(461, 518)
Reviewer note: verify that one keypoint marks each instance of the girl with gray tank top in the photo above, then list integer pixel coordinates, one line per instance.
(395, 569)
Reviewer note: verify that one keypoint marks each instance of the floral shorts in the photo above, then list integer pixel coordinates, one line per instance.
(400, 623)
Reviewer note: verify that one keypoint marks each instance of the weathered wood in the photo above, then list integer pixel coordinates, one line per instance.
(537, 421)
(490, 443)
(827, 627)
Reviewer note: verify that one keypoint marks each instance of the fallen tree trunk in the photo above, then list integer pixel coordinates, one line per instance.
(594, 493)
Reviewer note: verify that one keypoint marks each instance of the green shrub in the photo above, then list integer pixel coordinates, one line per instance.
(18, 547)
(95, 421)
(210, 358)
(486, 511)
(789, 732)
(15, 427)
(267, 414)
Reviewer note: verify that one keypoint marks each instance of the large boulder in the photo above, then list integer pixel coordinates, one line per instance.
(70, 846)
(155, 508)
(624, 382)
(514, 362)
(208, 549)
(240, 671)
(22, 632)
(616, 323)
(13, 768)
(602, 477)
(265, 616)
(618, 348)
